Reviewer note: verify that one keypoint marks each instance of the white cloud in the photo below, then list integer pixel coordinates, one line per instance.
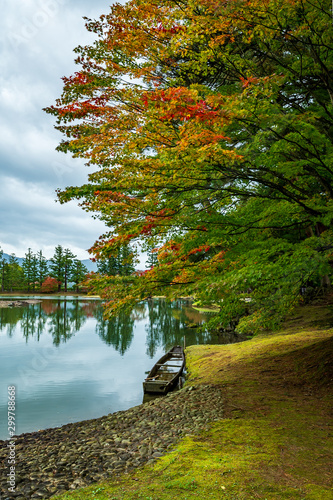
(37, 38)
(34, 220)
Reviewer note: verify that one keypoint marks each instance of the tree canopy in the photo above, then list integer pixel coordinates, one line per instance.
(208, 126)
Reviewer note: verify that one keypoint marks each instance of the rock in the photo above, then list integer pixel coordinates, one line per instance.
(143, 450)
(78, 483)
(126, 442)
(41, 493)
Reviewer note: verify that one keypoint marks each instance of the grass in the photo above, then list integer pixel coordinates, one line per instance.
(275, 441)
(203, 308)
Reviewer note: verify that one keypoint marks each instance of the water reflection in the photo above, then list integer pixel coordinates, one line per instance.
(117, 331)
(170, 322)
(32, 320)
(167, 323)
(9, 317)
(69, 363)
(65, 319)
(61, 318)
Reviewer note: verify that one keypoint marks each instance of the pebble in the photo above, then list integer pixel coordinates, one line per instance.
(76, 455)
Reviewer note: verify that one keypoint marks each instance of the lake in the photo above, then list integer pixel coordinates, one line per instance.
(69, 364)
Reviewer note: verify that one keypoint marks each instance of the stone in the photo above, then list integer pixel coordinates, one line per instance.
(143, 450)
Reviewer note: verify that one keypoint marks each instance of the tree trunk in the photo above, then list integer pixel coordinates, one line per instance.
(325, 282)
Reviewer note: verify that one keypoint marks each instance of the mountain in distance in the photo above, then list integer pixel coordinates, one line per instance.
(6, 257)
(91, 266)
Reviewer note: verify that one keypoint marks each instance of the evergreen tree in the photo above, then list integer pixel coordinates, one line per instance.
(61, 266)
(34, 272)
(108, 266)
(121, 265)
(11, 274)
(78, 274)
(152, 260)
(5, 277)
(68, 263)
(42, 268)
(2, 270)
(29, 270)
(57, 266)
(126, 260)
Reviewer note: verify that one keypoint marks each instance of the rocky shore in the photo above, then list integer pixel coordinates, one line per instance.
(52, 461)
(18, 303)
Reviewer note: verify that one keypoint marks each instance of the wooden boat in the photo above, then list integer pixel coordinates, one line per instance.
(166, 372)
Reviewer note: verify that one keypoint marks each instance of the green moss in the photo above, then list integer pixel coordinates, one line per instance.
(199, 306)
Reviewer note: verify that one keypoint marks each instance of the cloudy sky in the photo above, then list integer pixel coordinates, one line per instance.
(37, 38)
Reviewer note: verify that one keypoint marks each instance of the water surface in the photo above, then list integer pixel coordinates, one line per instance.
(69, 364)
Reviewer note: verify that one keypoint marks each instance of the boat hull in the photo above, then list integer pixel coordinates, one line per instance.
(156, 387)
(161, 379)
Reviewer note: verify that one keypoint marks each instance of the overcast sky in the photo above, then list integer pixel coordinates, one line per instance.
(37, 38)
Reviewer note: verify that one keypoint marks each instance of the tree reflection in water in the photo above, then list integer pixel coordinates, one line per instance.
(167, 323)
(170, 322)
(117, 331)
(32, 320)
(67, 319)
(9, 317)
(61, 318)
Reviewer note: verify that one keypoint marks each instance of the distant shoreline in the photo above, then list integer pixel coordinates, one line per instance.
(57, 294)
(18, 303)
(23, 299)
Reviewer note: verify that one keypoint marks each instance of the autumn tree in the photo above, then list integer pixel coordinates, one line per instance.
(209, 128)
(49, 285)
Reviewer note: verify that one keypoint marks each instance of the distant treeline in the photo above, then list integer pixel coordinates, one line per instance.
(39, 274)
(62, 272)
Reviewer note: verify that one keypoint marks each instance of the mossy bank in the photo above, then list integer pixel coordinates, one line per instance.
(274, 440)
